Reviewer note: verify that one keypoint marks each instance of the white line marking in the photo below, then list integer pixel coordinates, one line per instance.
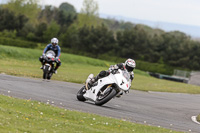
(194, 119)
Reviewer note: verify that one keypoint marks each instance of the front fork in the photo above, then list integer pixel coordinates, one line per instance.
(47, 65)
(106, 90)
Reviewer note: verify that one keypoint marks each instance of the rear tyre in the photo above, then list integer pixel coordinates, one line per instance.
(102, 99)
(45, 72)
(80, 94)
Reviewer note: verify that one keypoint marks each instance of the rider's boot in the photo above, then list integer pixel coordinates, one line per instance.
(55, 69)
(42, 65)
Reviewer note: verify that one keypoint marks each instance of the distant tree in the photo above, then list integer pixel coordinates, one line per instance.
(172, 47)
(39, 33)
(126, 25)
(133, 43)
(89, 14)
(126, 43)
(84, 40)
(194, 54)
(65, 19)
(102, 40)
(10, 21)
(70, 38)
(52, 31)
(28, 8)
(60, 15)
(90, 8)
(155, 43)
(48, 14)
(97, 40)
(67, 14)
(112, 24)
(67, 8)
(27, 28)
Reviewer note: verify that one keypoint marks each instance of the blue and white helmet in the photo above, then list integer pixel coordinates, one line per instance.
(54, 41)
(130, 64)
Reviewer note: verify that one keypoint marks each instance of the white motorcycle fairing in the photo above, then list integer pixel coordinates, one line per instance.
(121, 78)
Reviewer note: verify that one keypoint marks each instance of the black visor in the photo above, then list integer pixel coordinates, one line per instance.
(129, 69)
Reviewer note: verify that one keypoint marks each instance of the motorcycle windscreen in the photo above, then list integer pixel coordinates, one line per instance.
(50, 54)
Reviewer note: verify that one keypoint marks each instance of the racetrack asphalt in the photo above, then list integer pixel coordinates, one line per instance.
(168, 110)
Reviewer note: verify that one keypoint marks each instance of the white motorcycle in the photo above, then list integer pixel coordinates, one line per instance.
(117, 82)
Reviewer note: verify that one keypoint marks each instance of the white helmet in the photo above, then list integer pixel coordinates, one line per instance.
(130, 64)
(54, 41)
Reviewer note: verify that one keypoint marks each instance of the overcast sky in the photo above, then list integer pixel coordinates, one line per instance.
(175, 11)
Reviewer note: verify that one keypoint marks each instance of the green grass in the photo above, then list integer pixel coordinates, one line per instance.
(20, 116)
(24, 62)
(145, 83)
(198, 118)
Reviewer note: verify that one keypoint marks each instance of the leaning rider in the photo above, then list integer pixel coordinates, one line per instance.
(54, 47)
(129, 65)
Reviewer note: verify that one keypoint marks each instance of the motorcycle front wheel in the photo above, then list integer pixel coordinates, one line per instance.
(105, 97)
(80, 94)
(45, 72)
(49, 75)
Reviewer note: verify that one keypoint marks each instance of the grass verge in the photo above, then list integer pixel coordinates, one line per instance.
(34, 117)
(198, 118)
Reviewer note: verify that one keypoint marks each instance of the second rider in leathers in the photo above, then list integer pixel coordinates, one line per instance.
(56, 48)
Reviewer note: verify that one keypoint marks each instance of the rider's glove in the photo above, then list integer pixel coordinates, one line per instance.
(113, 67)
(43, 54)
(57, 59)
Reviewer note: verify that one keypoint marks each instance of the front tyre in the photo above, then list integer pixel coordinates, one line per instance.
(49, 75)
(45, 72)
(80, 94)
(102, 99)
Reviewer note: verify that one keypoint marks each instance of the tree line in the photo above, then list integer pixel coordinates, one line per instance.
(85, 32)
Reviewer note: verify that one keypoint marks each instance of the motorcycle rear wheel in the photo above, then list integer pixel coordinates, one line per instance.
(105, 98)
(80, 94)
